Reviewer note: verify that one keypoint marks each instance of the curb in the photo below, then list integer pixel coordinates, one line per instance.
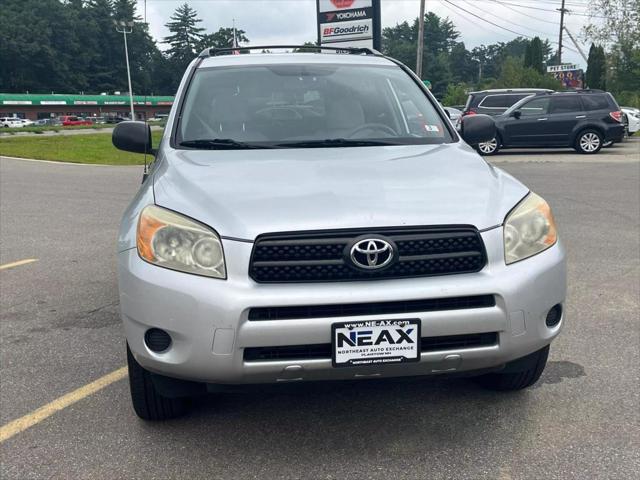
(67, 163)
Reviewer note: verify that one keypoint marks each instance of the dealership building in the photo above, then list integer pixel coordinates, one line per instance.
(38, 106)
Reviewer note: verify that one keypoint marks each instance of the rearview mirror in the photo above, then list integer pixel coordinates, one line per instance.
(133, 137)
(477, 129)
(516, 114)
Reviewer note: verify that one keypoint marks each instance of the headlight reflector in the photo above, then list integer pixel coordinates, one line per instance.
(170, 240)
(528, 229)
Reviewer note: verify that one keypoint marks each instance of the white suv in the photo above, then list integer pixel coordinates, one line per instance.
(11, 122)
(315, 216)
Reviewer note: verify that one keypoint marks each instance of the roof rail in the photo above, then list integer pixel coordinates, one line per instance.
(589, 90)
(212, 51)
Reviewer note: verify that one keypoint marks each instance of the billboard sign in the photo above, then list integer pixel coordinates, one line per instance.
(562, 68)
(569, 74)
(349, 23)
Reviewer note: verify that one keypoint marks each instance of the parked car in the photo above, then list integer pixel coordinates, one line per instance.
(11, 122)
(584, 120)
(97, 120)
(68, 120)
(113, 120)
(158, 118)
(454, 114)
(327, 235)
(633, 119)
(26, 122)
(497, 101)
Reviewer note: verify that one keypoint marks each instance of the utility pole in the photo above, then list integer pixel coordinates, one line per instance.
(420, 40)
(127, 27)
(562, 10)
(577, 45)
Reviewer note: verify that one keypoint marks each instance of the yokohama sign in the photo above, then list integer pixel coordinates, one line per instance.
(349, 23)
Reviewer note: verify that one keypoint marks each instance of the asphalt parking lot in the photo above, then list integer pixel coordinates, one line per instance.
(59, 331)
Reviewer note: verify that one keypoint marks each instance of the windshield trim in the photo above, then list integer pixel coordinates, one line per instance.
(175, 137)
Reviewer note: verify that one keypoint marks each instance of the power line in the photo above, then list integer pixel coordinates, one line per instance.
(488, 21)
(551, 10)
(528, 28)
(466, 19)
(495, 24)
(522, 13)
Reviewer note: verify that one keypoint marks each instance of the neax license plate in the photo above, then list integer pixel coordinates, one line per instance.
(375, 342)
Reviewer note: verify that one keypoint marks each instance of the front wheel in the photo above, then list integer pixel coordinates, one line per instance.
(147, 402)
(518, 374)
(488, 148)
(588, 142)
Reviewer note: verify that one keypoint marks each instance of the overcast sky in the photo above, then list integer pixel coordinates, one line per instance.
(293, 21)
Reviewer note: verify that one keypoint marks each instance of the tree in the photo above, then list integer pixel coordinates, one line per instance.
(456, 94)
(185, 35)
(615, 24)
(515, 75)
(533, 57)
(223, 38)
(461, 64)
(596, 76)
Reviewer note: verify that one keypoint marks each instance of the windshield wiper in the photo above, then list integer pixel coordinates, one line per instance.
(221, 143)
(336, 142)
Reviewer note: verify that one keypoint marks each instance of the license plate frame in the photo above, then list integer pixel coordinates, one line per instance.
(392, 353)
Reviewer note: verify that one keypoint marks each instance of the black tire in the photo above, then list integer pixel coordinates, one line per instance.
(589, 142)
(518, 374)
(489, 148)
(147, 402)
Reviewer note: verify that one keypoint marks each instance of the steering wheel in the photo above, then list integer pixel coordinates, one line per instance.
(381, 127)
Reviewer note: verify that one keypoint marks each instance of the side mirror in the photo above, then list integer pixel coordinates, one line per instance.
(132, 137)
(476, 129)
(516, 114)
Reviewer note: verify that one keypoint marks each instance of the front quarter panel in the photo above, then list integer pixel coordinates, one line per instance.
(129, 223)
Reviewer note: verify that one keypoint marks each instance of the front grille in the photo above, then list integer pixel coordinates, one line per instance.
(323, 257)
(322, 351)
(376, 308)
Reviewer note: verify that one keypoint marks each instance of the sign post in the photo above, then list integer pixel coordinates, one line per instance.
(349, 23)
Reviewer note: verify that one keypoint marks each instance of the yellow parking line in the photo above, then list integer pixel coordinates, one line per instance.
(18, 263)
(19, 425)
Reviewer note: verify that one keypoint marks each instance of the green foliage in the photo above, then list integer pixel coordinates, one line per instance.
(596, 76)
(223, 38)
(440, 38)
(533, 57)
(515, 75)
(615, 24)
(72, 46)
(456, 94)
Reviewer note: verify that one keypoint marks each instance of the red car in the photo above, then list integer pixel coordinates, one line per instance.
(67, 120)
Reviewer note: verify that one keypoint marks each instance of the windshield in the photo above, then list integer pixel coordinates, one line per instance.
(279, 106)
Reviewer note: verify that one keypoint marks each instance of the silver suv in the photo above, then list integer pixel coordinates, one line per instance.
(313, 215)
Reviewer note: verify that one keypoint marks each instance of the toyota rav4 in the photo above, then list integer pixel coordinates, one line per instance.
(313, 215)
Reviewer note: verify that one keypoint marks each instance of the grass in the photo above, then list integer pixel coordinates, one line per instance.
(58, 128)
(90, 148)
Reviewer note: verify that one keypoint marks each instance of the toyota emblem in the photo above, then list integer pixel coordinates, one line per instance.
(371, 253)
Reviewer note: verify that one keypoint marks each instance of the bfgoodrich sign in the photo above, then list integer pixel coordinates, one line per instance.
(349, 23)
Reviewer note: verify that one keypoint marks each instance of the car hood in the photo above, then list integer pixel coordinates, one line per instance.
(244, 193)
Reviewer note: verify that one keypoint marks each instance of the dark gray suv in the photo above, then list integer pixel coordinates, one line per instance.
(585, 120)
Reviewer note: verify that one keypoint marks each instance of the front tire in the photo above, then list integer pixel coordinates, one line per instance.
(589, 142)
(488, 148)
(518, 374)
(147, 402)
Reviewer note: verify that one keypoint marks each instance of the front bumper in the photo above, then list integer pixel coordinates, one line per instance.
(208, 318)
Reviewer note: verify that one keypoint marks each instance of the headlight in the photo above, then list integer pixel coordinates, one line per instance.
(170, 240)
(528, 229)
